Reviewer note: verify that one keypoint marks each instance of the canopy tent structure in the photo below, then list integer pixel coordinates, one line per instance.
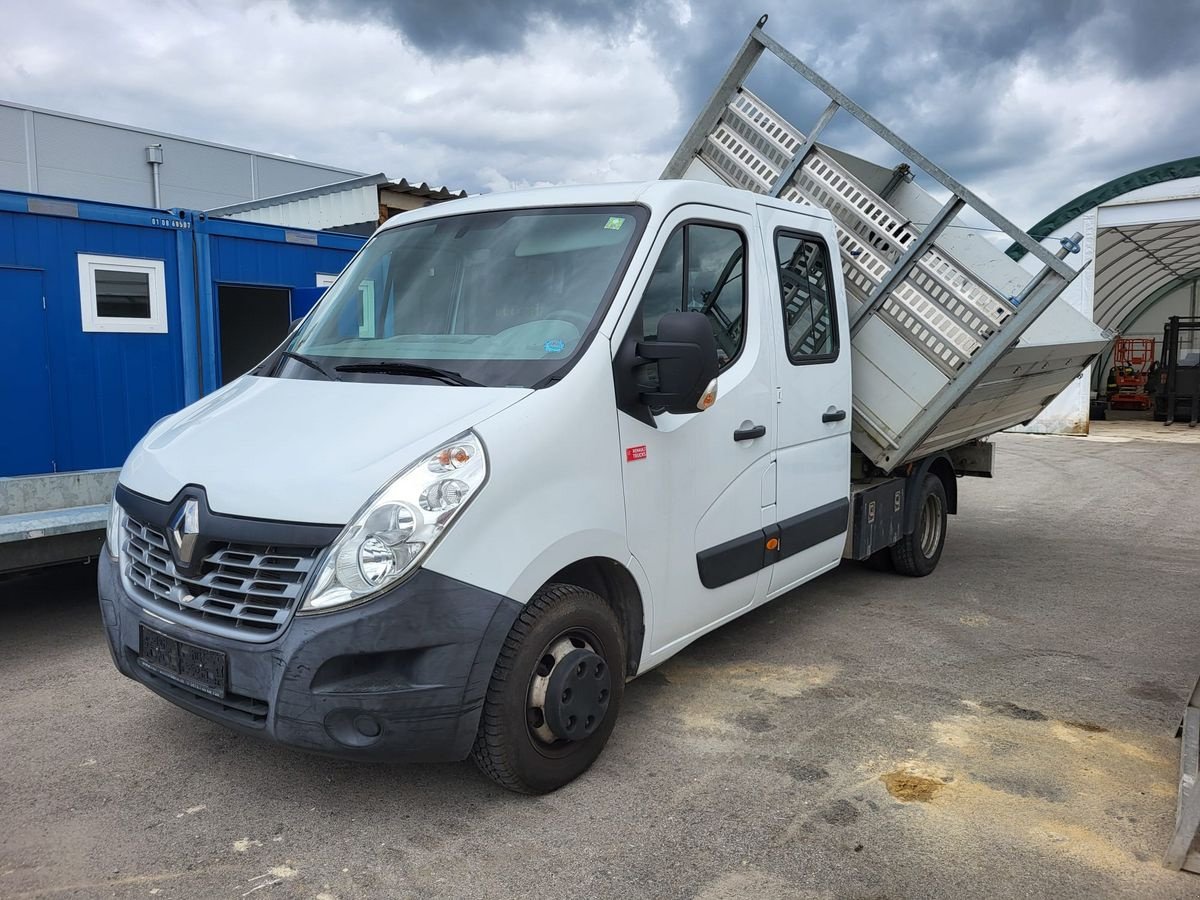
(1142, 241)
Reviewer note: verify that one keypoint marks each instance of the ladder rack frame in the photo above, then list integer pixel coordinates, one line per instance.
(1043, 287)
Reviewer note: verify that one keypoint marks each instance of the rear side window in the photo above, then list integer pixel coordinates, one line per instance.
(806, 289)
(701, 269)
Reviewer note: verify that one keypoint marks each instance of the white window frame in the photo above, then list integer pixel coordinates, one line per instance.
(155, 269)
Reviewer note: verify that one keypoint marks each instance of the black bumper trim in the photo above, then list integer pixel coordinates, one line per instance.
(401, 677)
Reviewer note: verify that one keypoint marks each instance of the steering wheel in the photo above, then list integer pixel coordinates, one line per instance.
(578, 319)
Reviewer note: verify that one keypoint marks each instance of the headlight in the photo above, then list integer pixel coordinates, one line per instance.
(399, 525)
(112, 531)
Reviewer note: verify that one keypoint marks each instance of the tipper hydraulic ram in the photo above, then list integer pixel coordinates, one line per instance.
(952, 340)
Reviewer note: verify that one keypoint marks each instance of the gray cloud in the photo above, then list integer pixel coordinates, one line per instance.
(472, 26)
(1029, 103)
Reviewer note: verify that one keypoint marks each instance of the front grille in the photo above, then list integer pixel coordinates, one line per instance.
(245, 591)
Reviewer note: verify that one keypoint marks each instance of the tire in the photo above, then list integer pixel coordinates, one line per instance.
(917, 554)
(514, 748)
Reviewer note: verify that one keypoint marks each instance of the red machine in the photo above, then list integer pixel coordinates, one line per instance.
(1133, 359)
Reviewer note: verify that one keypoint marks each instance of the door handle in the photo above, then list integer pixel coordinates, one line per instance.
(749, 434)
(835, 415)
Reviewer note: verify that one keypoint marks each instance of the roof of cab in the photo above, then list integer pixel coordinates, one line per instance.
(658, 195)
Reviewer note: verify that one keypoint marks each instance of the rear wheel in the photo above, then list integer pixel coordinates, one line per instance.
(917, 554)
(555, 693)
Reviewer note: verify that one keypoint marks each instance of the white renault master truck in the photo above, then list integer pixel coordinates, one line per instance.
(527, 447)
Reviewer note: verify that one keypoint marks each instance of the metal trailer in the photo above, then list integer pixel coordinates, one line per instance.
(79, 390)
(952, 341)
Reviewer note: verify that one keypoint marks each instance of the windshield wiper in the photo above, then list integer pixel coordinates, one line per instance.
(310, 362)
(398, 367)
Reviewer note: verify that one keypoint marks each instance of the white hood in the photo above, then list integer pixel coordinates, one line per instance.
(299, 450)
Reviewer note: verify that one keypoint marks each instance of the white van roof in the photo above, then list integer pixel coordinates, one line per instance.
(658, 195)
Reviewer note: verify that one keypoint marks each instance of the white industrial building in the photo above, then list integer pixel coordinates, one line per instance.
(1141, 246)
(47, 152)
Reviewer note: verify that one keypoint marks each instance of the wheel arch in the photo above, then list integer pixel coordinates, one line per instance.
(940, 465)
(613, 582)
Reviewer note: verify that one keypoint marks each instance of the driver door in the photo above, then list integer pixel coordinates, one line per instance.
(699, 487)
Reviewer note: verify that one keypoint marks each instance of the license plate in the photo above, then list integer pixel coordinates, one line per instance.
(198, 668)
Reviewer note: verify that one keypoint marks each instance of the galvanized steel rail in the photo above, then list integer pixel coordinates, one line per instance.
(960, 324)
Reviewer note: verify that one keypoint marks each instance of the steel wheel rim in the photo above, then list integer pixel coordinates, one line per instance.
(931, 525)
(540, 735)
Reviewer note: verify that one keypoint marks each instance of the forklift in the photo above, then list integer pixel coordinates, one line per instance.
(1178, 393)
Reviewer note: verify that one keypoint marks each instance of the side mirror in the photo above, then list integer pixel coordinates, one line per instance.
(295, 324)
(686, 353)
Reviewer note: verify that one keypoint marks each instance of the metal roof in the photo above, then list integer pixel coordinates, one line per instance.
(334, 205)
(1135, 262)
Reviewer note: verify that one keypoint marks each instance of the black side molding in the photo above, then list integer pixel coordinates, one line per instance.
(727, 562)
(745, 555)
(811, 528)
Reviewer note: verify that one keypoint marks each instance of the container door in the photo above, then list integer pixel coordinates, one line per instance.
(28, 447)
(24, 376)
(252, 322)
(813, 369)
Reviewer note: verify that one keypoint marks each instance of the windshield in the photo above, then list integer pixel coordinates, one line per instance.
(495, 298)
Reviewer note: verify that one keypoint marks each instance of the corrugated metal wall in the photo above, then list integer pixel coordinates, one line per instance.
(106, 389)
(48, 152)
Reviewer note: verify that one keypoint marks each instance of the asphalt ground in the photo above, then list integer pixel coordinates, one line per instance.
(1003, 728)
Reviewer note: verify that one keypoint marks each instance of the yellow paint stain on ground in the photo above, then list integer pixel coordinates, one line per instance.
(955, 731)
(752, 885)
(1053, 787)
(1106, 741)
(778, 680)
(731, 700)
(1082, 844)
(909, 786)
(976, 621)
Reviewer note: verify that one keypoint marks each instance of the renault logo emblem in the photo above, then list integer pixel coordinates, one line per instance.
(185, 529)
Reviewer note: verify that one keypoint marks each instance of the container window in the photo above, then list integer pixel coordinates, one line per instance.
(121, 294)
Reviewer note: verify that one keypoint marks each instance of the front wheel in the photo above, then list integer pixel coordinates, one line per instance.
(555, 693)
(917, 554)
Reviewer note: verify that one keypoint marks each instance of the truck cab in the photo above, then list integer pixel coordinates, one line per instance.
(527, 446)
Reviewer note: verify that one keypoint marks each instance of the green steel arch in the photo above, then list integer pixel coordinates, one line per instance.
(1169, 171)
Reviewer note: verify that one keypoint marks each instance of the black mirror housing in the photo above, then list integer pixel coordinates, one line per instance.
(686, 353)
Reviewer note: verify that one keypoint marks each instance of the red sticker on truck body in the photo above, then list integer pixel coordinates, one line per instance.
(632, 453)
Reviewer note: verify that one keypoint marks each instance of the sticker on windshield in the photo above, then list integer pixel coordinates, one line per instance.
(614, 223)
(554, 346)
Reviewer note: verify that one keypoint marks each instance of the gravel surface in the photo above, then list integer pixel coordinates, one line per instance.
(1003, 728)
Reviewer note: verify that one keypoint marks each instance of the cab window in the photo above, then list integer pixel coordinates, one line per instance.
(806, 291)
(701, 269)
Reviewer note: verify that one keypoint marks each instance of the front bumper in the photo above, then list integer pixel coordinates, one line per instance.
(401, 677)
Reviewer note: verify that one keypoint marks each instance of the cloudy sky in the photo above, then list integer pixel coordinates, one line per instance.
(1029, 103)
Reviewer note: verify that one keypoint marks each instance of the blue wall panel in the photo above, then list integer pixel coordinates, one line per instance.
(24, 374)
(107, 389)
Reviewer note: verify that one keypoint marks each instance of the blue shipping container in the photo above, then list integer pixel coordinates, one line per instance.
(111, 317)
